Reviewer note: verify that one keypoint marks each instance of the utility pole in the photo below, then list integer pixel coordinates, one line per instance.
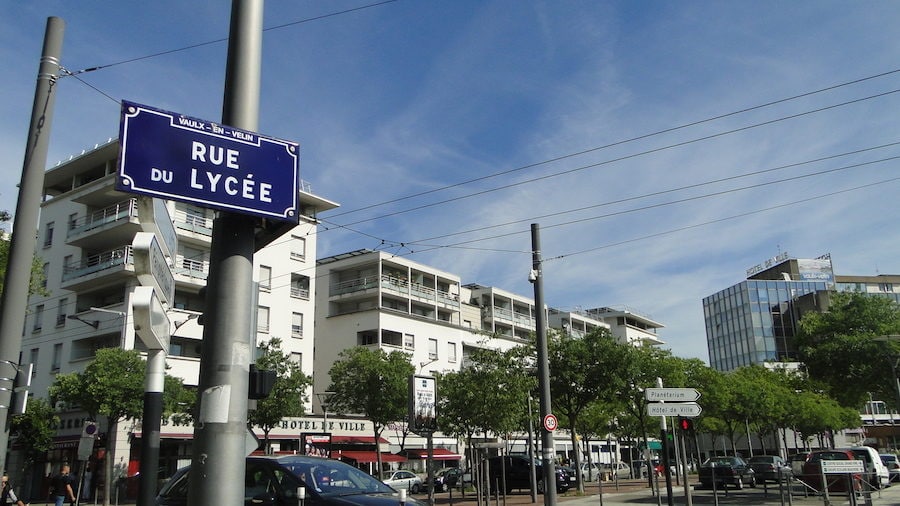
(221, 434)
(14, 299)
(548, 447)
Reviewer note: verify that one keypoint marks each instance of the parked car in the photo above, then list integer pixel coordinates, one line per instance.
(447, 478)
(892, 464)
(877, 473)
(274, 482)
(796, 462)
(813, 477)
(403, 479)
(725, 471)
(769, 468)
(620, 470)
(518, 474)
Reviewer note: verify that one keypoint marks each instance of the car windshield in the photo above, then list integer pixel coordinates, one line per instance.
(333, 478)
(722, 461)
(761, 460)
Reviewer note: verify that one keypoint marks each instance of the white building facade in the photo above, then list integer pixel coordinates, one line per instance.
(86, 229)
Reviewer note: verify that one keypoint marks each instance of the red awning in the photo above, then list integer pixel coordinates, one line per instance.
(365, 457)
(439, 454)
(357, 440)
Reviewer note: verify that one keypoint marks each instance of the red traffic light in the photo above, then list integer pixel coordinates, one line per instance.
(686, 424)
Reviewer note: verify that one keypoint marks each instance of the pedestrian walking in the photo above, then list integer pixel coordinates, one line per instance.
(62, 486)
(8, 495)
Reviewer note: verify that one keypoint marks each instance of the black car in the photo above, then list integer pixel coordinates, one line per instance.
(727, 471)
(770, 468)
(274, 482)
(447, 478)
(518, 474)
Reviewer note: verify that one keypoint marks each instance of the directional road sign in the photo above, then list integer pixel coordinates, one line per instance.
(672, 394)
(171, 156)
(151, 266)
(689, 409)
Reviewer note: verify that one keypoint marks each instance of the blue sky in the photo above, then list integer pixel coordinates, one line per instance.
(498, 114)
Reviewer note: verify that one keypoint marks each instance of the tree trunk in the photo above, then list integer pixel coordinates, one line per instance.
(380, 469)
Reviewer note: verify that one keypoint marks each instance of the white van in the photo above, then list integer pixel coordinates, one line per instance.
(877, 473)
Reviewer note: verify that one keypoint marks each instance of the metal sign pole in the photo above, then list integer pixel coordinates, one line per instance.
(220, 436)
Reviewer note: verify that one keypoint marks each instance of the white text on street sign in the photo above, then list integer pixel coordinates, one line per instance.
(672, 394)
(689, 409)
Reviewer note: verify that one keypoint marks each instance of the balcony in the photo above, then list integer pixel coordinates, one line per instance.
(193, 226)
(111, 266)
(190, 270)
(353, 286)
(300, 293)
(115, 224)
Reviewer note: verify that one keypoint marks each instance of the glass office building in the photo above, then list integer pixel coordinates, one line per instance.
(754, 321)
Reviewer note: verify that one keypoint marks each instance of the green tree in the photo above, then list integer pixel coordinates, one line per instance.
(34, 431)
(37, 286)
(467, 406)
(112, 387)
(584, 370)
(373, 383)
(288, 395)
(838, 349)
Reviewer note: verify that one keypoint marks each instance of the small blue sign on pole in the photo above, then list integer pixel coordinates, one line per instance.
(171, 156)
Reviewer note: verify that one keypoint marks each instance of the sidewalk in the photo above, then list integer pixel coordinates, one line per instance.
(637, 492)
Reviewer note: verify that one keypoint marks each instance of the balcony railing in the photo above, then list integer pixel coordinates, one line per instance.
(354, 285)
(119, 211)
(97, 263)
(193, 223)
(195, 269)
(300, 293)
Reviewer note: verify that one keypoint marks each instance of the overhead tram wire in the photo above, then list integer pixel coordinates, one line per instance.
(618, 143)
(626, 157)
(653, 206)
(663, 192)
(392, 243)
(225, 39)
(719, 220)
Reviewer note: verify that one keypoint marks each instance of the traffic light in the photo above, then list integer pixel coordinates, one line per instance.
(686, 425)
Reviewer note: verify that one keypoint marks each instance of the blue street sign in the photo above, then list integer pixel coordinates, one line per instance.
(171, 156)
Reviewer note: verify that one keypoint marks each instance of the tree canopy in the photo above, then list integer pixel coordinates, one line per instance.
(288, 395)
(839, 350)
(373, 383)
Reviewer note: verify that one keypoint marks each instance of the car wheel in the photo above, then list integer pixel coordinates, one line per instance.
(752, 481)
(414, 489)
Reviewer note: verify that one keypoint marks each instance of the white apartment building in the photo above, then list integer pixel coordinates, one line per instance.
(372, 298)
(86, 229)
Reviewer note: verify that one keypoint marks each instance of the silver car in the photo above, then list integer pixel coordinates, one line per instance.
(404, 479)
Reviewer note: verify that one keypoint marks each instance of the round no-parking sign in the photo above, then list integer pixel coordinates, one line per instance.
(550, 422)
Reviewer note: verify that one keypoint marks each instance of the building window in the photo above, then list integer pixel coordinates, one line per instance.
(61, 312)
(451, 352)
(409, 341)
(38, 318)
(262, 319)
(297, 358)
(298, 247)
(886, 287)
(57, 357)
(265, 278)
(35, 353)
(297, 325)
(45, 271)
(299, 286)
(433, 349)
(48, 235)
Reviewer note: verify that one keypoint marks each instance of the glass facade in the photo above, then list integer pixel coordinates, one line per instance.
(754, 322)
